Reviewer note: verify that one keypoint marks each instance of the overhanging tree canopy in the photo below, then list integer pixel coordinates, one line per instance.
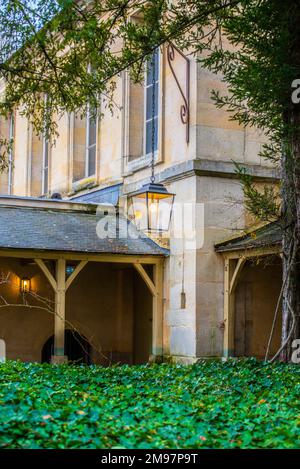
(72, 51)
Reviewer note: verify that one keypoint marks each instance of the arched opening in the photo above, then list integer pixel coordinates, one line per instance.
(77, 348)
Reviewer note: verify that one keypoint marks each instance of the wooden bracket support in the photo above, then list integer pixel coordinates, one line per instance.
(150, 284)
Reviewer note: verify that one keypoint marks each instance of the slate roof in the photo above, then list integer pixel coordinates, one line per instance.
(268, 235)
(61, 229)
(108, 195)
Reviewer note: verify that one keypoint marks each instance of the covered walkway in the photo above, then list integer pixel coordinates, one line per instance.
(115, 283)
(252, 283)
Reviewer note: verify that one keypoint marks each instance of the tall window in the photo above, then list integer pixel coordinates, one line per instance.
(152, 109)
(85, 142)
(91, 132)
(11, 155)
(45, 167)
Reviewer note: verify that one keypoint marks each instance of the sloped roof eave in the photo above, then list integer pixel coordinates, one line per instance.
(265, 236)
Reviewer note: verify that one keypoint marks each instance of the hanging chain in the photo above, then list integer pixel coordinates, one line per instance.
(152, 179)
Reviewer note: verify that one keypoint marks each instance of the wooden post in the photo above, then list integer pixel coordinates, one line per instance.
(226, 307)
(228, 311)
(232, 270)
(156, 289)
(157, 312)
(59, 320)
(60, 286)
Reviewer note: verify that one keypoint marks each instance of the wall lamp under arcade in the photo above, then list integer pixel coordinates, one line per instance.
(25, 285)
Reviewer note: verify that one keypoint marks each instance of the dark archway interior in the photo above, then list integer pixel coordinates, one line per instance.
(77, 348)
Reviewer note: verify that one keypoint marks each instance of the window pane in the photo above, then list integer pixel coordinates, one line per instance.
(12, 126)
(149, 102)
(150, 65)
(92, 131)
(46, 153)
(45, 180)
(149, 135)
(92, 160)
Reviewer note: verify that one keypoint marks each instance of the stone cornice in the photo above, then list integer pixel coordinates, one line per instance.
(209, 168)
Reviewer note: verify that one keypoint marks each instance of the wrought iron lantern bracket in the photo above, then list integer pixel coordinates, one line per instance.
(185, 107)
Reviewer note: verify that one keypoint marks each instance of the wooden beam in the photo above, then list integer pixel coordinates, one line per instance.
(47, 273)
(111, 258)
(151, 286)
(250, 253)
(236, 274)
(231, 275)
(157, 314)
(74, 274)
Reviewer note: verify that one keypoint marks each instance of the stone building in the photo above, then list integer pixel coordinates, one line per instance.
(135, 300)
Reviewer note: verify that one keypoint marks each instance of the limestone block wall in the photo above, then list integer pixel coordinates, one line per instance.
(181, 279)
(36, 160)
(60, 158)
(197, 270)
(224, 216)
(111, 138)
(21, 175)
(120, 135)
(219, 138)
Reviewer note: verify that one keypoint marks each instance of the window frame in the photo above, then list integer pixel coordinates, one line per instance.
(146, 87)
(11, 154)
(45, 168)
(89, 146)
(142, 162)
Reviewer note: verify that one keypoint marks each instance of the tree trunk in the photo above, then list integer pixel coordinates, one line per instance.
(290, 193)
(290, 190)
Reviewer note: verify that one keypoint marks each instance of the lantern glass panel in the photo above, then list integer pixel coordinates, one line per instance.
(138, 211)
(159, 211)
(151, 208)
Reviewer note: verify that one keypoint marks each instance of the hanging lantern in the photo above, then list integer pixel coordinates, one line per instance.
(151, 208)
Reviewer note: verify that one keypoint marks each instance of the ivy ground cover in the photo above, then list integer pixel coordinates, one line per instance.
(237, 404)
